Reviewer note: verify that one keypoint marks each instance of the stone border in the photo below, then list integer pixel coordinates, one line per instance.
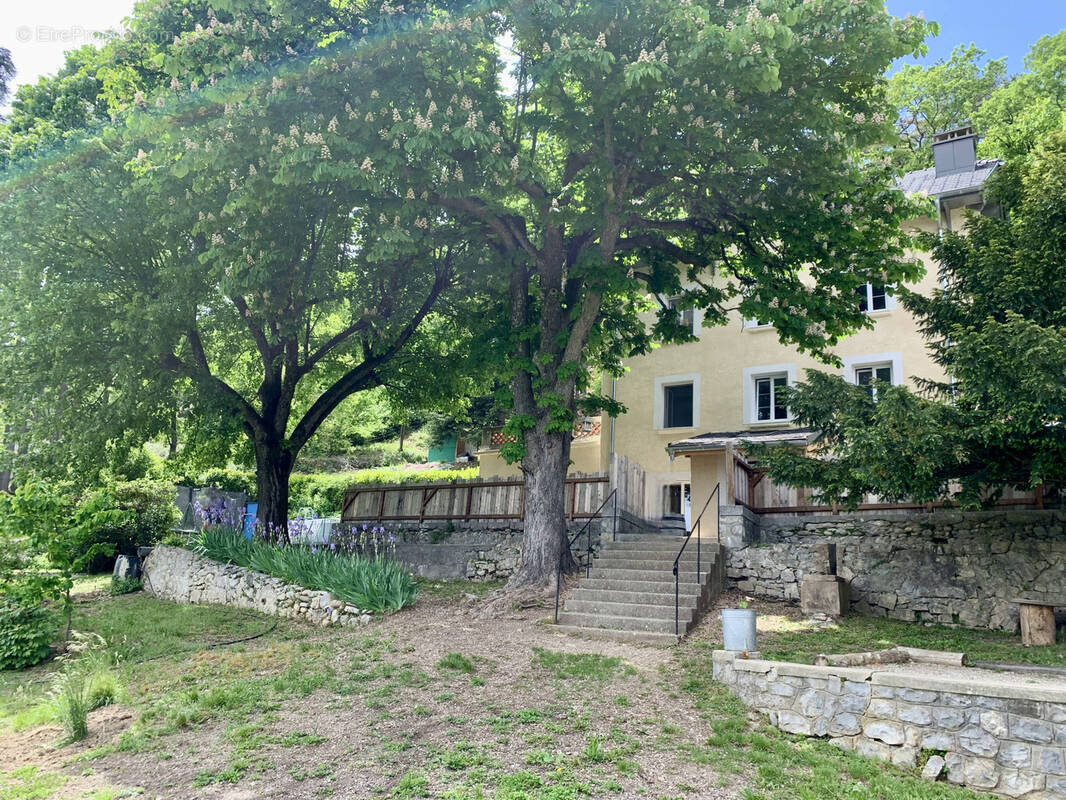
(173, 573)
(1008, 739)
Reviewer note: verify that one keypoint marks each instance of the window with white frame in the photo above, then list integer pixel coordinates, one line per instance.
(868, 377)
(769, 405)
(686, 316)
(754, 323)
(764, 387)
(875, 297)
(867, 371)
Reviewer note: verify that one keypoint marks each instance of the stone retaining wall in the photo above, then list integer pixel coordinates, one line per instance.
(946, 566)
(997, 737)
(173, 573)
(473, 550)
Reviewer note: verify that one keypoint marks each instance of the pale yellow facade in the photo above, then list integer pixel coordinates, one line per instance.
(723, 367)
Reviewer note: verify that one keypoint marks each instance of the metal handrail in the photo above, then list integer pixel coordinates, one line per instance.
(588, 554)
(681, 552)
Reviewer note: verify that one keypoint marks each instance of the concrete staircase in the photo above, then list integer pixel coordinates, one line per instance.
(629, 594)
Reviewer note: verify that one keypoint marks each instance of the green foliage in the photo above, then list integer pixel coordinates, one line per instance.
(939, 97)
(998, 328)
(379, 585)
(148, 513)
(125, 585)
(26, 634)
(1016, 116)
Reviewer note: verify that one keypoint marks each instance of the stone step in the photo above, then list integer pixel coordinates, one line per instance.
(646, 637)
(686, 611)
(664, 542)
(662, 586)
(649, 537)
(656, 557)
(586, 620)
(627, 596)
(649, 574)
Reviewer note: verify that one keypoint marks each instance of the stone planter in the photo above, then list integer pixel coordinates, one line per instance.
(738, 629)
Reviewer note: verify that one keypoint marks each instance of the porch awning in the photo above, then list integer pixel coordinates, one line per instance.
(712, 442)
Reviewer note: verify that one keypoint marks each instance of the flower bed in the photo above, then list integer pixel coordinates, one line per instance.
(376, 584)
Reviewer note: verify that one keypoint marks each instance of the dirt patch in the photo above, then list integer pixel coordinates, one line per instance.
(426, 702)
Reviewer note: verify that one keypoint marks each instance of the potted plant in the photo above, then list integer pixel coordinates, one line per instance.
(738, 627)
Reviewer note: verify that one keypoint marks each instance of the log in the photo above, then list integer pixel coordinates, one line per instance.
(1038, 624)
(941, 657)
(894, 655)
(891, 656)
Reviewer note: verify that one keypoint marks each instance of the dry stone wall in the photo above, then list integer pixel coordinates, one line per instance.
(950, 567)
(994, 736)
(173, 573)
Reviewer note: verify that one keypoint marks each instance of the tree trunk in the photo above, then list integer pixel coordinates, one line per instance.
(273, 465)
(546, 540)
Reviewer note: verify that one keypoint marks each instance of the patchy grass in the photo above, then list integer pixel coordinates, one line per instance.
(427, 703)
(587, 666)
(453, 591)
(457, 662)
(802, 641)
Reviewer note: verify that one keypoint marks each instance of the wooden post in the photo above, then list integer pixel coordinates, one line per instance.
(1038, 624)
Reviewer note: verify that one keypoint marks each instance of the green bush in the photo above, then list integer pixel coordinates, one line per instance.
(372, 585)
(26, 634)
(125, 586)
(149, 512)
(229, 480)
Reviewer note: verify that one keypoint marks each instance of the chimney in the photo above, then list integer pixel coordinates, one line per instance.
(955, 151)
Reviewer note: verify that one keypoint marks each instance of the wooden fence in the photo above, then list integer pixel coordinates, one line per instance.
(755, 489)
(479, 500)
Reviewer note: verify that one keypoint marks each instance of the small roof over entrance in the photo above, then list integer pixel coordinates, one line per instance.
(723, 440)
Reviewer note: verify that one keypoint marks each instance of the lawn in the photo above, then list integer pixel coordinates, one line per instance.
(428, 702)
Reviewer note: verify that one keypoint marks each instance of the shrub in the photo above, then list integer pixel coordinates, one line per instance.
(372, 585)
(148, 513)
(229, 480)
(26, 633)
(125, 585)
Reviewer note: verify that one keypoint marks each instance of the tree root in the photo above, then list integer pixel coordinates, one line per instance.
(507, 601)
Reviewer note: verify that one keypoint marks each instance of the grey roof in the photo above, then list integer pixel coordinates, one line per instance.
(720, 440)
(925, 181)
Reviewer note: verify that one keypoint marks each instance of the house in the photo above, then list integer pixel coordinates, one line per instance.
(690, 405)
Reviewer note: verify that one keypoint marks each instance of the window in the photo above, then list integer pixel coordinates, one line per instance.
(677, 406)
(686, 316)
(867, 376)
(768, 403)
(763, 399)
(676, 401)
(674, 497)
(875, 297)
(867, 370)
(754, 323)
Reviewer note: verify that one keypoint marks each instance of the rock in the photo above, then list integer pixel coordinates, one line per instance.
(933, 768)
(887, 732)
(1030, 730)
(127, 568)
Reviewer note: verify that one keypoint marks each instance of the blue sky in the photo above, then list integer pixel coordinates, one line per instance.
(1002, 28)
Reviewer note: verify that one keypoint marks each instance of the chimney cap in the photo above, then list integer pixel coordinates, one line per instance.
(962, 131)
